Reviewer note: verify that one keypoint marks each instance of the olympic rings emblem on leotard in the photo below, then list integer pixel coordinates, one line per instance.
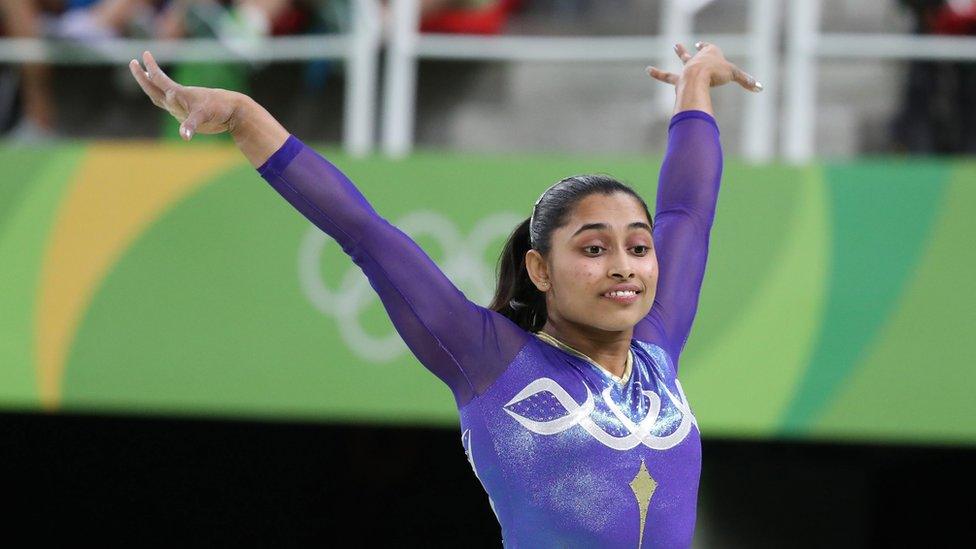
(463, 262)
(639, 432)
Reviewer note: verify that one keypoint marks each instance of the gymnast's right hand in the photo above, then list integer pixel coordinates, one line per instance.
(199, 110)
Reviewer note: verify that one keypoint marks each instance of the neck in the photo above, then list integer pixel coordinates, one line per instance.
(608, 349)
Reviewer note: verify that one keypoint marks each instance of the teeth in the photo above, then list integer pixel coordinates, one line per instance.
(622, 293)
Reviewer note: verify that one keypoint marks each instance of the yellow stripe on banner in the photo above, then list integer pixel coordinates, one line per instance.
(118, 191)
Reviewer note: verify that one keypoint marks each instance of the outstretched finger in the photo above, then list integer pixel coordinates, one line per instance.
(147, 86)
(156, 74)
(683, 53)
(746, 80)
(663, 76)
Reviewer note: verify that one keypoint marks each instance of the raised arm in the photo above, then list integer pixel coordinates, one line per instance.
(687, 192)
(465, 345)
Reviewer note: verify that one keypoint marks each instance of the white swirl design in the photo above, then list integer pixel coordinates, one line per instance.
(579, 414)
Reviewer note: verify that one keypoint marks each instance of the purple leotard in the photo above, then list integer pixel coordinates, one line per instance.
(568, 456)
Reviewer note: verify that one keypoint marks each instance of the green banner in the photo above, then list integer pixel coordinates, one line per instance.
(171, 279)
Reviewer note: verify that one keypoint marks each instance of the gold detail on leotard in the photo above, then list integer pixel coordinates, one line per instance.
(628, 366)
(643, 486)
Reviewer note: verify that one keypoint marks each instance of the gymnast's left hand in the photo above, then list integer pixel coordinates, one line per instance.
(199, 110)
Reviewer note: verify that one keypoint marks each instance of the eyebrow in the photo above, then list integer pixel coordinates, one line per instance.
(604, 226)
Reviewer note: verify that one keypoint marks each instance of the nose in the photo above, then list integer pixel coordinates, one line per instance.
(623, 270)
(625, 275)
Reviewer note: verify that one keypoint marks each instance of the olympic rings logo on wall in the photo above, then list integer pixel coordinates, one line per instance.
(463, 263)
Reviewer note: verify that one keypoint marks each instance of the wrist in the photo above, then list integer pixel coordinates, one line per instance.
(696, 74)
(241, 115)
(693, 91)
(256, 133)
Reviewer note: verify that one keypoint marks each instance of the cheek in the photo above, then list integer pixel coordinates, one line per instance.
(587, 273)
(651, 267)
(580, 274)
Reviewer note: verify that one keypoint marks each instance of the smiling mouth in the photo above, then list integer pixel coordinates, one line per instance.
(622, 295)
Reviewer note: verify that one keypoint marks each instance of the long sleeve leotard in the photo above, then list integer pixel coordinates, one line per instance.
(569, 457)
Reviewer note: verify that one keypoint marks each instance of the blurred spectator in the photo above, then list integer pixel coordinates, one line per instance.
(938, 113)
(242, 25)
(21, 19)
(237, 19)
(83, 20)
(463, 16)
(89, 21)
(99, 19)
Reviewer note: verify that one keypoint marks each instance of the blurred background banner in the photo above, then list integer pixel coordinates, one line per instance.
(160, 278)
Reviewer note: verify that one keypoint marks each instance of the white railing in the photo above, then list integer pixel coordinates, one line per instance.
(359, 48)
(805, 46)
(407, 45)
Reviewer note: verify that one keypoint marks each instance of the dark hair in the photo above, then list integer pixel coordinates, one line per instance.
(516, 297)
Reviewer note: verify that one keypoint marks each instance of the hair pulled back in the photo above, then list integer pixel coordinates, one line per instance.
(516, 296)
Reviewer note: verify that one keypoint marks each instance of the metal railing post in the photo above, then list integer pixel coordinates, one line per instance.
(759, 125)
(400, 80)
(676, 25)
(801, 92)
(361, 67)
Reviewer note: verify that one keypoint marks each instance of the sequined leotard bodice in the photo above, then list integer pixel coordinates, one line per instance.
(569, 455)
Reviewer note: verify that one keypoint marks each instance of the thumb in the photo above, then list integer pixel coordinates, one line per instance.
(189, 126)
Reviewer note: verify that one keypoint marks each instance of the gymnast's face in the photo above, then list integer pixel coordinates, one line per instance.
(605, 242)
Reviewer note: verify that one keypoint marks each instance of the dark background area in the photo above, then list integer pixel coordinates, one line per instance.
(141, 480)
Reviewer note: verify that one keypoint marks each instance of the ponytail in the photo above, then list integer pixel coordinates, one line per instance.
(516, 296)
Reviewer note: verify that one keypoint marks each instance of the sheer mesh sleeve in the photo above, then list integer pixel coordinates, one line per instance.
(686, 196)
(465, 345)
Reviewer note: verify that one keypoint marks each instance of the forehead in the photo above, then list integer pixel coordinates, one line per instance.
(617, 209)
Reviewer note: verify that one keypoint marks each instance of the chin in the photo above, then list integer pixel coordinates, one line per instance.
(619, 324)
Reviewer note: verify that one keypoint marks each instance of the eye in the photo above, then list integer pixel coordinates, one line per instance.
(640, 250)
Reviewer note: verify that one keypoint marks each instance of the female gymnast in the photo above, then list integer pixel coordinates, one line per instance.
(572, 416)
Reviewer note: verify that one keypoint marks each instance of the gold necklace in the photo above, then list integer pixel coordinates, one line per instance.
(557, 343)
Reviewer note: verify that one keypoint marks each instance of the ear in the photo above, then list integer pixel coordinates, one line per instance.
(538, 270)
